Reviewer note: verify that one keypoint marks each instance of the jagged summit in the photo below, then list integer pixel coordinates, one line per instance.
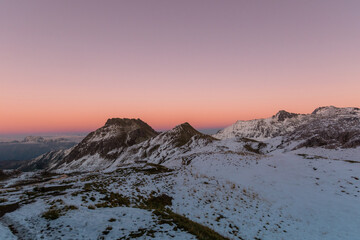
(165, 146)
(124, 121)
(185, 127)
(282, 115)
(332, 110)
(117, 133)
(182, 134)
(320, 110)
(123, 141)
(328, 127)
(126, 141)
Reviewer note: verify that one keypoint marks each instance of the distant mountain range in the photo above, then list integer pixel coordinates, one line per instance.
(29, 148)
(124, 141)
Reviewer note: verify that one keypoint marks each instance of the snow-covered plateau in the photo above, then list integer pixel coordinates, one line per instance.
(291, 176)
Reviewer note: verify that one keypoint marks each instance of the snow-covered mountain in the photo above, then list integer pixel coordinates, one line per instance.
(122, 141)
(116, 134)
(328, 127)
(166, 146)
(291, 176)
(126, 141)
(39, 139)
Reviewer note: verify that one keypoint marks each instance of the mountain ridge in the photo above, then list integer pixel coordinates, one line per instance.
(125, 141)
(329, 127)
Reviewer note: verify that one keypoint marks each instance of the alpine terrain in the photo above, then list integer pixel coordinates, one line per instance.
(289, 176)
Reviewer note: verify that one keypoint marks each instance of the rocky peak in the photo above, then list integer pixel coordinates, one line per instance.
(332, 110)
(117, 133)
(282, 115)
(182, 134)
(327, 110)
(123, 121)
(187, 128)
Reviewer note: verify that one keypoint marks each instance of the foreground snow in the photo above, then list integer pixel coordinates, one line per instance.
(303, 194)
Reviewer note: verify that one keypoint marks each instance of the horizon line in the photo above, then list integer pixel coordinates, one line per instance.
(73, 131)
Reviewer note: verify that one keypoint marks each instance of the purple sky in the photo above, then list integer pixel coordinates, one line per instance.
(70, 65)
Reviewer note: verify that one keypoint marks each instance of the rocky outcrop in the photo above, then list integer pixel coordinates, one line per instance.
(282, 115)
(328, 127)
(122, 141)
(118, 133)
(159, 149)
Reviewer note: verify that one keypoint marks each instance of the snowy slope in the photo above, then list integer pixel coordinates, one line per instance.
(239, 195)
(328, 127)
(163, 147)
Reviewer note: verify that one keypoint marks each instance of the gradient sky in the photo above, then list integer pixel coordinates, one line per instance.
(69, 65)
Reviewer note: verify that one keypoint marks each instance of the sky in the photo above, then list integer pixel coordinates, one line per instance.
(67, 66)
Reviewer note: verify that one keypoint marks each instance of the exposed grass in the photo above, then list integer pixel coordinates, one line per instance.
(307, 156)
(137, 234)
(200, 231)
(8, 208)
(248, 140)
(92, 207)
(54, 212)
(30, 182)
(153, 169)
(158, 202)
(351, 161)
(51, 214)
(70, 207)
(114, 200)
(249, 148)
(52, 188)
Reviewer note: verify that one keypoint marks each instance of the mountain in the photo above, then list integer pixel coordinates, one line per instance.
(273, 178)
(116, 134)
(33, 139)
(156, 149)
(42, 140)
(328, 127)
(127, 141)
(119, 142)
(166, 146)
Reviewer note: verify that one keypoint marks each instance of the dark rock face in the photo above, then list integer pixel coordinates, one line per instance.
(329, 132)
(331, 110)
(282, 115)
(124, 140)
(333, 140)
(327, 127)
(183, 133)
(116, 134)
(166, 145)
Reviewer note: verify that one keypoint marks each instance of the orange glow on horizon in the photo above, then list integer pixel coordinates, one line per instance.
(168, 63)
(37, 122)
